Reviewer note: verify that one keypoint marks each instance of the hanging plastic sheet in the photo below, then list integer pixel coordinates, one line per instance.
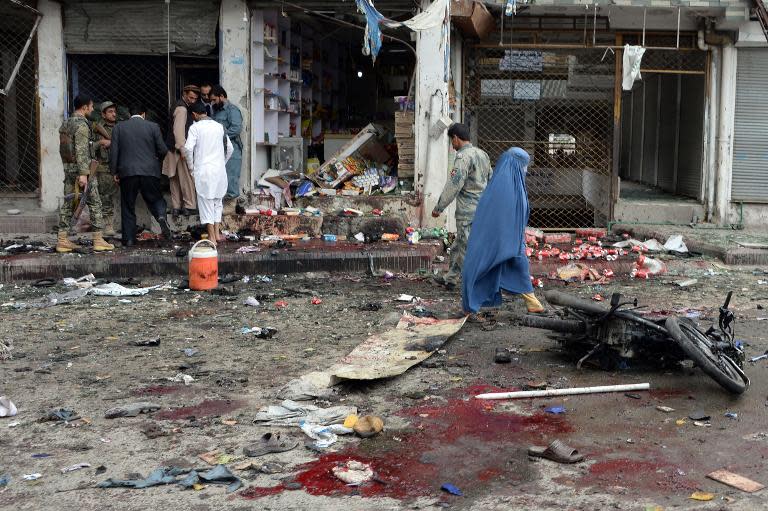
(372, 38)
(632, 58)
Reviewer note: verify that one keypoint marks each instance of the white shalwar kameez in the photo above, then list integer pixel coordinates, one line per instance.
(207, 159)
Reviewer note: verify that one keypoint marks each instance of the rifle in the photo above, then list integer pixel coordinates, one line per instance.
(78, 201)
(100, 129)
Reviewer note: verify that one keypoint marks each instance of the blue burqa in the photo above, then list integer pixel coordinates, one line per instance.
(495, 258)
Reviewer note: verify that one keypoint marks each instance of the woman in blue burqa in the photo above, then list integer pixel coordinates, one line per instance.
(495, 260)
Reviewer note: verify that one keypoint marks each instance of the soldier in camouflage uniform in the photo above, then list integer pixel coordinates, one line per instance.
(76, 148)
(108, 188)
(468, 178)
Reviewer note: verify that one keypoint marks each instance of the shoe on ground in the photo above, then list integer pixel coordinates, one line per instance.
(189, 212)
(63, 244)
(177, 212)
(100, 244)
(165, 229)
(129, 243)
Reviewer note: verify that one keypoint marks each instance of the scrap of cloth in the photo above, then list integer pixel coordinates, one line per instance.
(435, 15)
(495, 258)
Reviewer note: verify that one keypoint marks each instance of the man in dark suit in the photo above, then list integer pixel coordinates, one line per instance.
(137, 151)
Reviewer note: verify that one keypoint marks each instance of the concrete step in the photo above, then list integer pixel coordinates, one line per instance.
(160, 260)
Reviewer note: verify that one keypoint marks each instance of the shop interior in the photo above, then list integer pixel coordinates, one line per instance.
(332, 120)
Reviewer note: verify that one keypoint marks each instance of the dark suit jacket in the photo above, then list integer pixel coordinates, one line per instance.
(137, 148)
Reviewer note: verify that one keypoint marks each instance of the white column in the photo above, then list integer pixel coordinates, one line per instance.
(710, 162)
(52, 93)
(431, 104)
(725, 134)
(234, 71)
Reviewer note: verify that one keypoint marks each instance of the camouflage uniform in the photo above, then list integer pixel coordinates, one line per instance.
(469, 177)
(107, 187)
(84, 155)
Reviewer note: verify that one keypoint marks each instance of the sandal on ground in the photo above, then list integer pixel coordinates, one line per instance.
(556, 451)
(270, 443)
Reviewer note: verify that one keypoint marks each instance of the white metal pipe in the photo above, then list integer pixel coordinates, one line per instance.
(565, 392)
(725, 134)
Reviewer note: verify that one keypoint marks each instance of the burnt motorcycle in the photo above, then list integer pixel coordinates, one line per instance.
(617, 332)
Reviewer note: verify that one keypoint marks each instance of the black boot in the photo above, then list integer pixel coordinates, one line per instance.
(165, 228)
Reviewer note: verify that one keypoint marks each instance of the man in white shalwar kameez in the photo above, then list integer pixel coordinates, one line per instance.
(207, 150)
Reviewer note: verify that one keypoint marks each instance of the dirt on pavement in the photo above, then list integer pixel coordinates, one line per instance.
(83, 357)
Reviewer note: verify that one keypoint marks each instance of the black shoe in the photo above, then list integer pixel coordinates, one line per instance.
(502, 356)
(129, 243)
(165, 229)
(177, 212)
(189, 212)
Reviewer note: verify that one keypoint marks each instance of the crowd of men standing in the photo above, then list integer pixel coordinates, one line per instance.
(107, 157)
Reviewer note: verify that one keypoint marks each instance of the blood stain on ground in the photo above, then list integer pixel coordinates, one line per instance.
(461, 440)
(639, 475)
(208, 408)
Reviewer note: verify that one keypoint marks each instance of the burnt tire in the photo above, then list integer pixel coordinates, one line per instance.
(573, 302)
(565, 326)
(698, 347)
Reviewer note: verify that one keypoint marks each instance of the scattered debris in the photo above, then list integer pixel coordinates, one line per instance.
(736, 481)
(665, 409)
(131, 410)
(32, 477)
(555, 410)
(259, 332)
(72, 468)
(354, 473)
(7, 408)
(148, 342)
(61, 415)
(453, 490)
(687, 283)
(699, 415)
(251, 302)
(368, 426)
(290, 413)
(702, 496)
(182, 378)
(502, 356)
(270, 443)
(732, 415)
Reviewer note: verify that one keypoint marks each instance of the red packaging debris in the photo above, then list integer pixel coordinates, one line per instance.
(377, 212)
(562, 237)
(528, 251)
(316, 301)
(281, 303)
(537, 282)
(598, 298)
(534, 233)
(593, 232)
(608, 273)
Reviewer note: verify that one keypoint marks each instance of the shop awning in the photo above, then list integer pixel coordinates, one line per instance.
(141, 27)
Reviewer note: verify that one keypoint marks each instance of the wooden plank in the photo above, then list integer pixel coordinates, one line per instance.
(735, 480)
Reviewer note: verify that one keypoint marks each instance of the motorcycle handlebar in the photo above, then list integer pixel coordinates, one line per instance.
(728, 299)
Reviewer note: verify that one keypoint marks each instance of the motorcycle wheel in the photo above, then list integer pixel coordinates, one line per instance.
(698, 347)
(556, 325)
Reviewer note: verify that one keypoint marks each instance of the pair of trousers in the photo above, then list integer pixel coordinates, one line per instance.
(130, 187)
(458, 250)
(183, 194)
(233, 174)
(92, 200)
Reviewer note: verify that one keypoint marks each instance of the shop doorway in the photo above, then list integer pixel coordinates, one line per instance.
(662, 132)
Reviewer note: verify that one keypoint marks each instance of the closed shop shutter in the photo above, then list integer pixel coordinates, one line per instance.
(140, 27)
(750, 142)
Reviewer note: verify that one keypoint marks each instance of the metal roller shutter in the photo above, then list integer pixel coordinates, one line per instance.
(750, 141)
(140, 27)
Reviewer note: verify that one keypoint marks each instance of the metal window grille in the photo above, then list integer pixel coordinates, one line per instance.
(123, 80)
(557, 104)
(19, 148)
